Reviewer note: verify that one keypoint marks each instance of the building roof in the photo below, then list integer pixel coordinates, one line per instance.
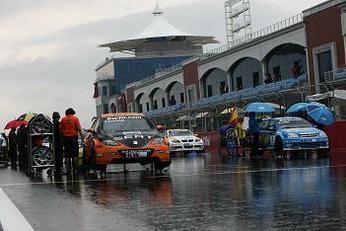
(322, 6)
(159, 27)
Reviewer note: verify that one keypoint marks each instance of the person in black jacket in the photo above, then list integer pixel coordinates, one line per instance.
(58, 148)
(22, 142)
(12, 147)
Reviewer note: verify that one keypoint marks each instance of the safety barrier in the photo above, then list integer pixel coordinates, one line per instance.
(232, 96)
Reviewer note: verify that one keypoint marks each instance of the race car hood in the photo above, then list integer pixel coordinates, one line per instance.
(133, 139)
(301, 130)
(129, 135)
(183, 137)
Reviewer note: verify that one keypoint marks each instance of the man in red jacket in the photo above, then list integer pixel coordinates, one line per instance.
(69, 129)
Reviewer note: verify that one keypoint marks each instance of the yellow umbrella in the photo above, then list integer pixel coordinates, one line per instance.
(27, 116)
(234, 119)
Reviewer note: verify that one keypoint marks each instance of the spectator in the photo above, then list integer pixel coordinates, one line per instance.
(296, 70)
(22, 142)
(276, 77)
(223, 88)
(268, 78)
(155, 106)
(12, 144)
(223, 133)
(69, 129)
(254, 130)
(58, 148)
(172, 101)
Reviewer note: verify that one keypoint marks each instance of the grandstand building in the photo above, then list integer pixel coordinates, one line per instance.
(158, 48)
(283, 63)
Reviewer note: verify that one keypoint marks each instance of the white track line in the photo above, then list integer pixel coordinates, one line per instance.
(179, 174)
(11, 218)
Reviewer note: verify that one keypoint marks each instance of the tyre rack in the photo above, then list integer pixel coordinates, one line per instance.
(40, 144)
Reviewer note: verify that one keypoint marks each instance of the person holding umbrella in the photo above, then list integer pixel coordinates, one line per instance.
(254, 129)
(22, 146)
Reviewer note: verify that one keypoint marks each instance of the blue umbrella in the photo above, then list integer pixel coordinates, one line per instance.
(302, 107)
(297, 107)
(259, 108)
(320, 113)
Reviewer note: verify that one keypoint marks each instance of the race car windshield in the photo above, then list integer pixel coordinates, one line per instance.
(180, 133)
(294, 123)
(120, 124)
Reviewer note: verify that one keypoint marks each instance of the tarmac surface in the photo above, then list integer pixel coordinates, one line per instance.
(199, 192)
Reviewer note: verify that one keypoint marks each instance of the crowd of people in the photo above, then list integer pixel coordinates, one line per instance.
(296, 71)
(65, 143)
(233, 135)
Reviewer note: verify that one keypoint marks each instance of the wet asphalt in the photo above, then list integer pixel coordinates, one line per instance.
(199, 192)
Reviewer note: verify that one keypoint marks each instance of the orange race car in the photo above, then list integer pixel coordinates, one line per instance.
(120, 138)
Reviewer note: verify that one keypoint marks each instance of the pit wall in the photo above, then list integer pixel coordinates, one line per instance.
(337, 141)
(211, 141)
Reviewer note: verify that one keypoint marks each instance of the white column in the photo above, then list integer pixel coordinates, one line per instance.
(264, 70)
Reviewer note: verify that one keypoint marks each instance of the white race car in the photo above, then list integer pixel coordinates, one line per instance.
(182, 140)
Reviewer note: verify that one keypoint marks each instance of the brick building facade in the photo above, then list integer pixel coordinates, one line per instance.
(324, 39)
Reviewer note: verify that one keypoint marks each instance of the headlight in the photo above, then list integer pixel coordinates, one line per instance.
(157, 141)
(198, 140)
(174, 140)
(323, 134)
(292, 135)
(110, 143)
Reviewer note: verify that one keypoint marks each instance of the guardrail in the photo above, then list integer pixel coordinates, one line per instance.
(232, 96)
(260, 33)
(335, 74)
(162, 72)
(166, 110)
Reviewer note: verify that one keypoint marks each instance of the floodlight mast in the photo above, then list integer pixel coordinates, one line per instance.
(238, 20)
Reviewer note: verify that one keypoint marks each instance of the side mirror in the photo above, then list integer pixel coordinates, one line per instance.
(160, 128)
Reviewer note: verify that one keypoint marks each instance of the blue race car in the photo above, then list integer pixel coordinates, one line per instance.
(291, 133)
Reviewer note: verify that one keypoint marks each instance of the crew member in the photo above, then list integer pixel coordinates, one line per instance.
(57, 143)
(69, 129)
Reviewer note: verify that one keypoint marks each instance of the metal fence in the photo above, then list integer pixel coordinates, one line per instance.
(161, 72)
(335, 75)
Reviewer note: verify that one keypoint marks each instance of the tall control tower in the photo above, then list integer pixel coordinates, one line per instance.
(238, 19)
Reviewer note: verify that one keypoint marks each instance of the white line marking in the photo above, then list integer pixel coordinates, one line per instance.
(178, 174)
(250, 171)
(11, 218)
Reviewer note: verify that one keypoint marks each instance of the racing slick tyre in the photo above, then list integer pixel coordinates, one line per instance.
(278, 148)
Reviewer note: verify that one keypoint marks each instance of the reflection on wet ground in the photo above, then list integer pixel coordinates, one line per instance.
(209, 192)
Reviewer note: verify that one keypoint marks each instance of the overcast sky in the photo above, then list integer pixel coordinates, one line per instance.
(48, 48)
